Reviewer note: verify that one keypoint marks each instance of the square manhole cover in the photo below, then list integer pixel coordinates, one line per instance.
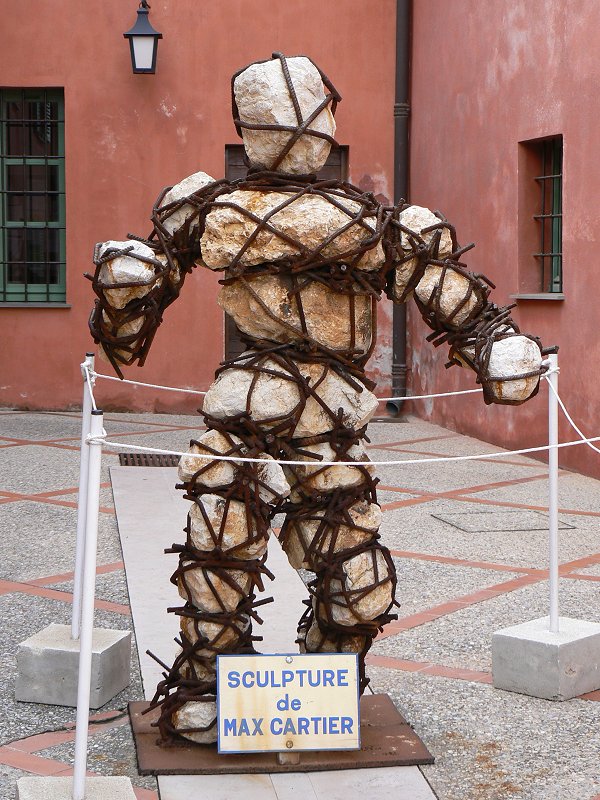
(490, 521)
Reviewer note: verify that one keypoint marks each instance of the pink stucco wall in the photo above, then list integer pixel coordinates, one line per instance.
(129, 135)
(486, 76)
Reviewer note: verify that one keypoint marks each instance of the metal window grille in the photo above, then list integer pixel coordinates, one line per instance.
(32, 196)
(550, 216)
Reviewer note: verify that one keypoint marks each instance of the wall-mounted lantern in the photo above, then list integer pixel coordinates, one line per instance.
(143, 41)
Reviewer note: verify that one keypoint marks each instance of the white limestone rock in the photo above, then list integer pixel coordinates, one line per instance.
(273, 395)
(327, 313)
(416, 218)
(174, 275)
(366, 519)
(214, 473)
(197, 714)
(237, 535)
(210, 592)
(451, 291)
(403, 272)
(466, 355)
(359, 574)
(127, 269)
(123, 331)
(271, 480)
(514, 355)
(178, 216)
(220, 638)
(327, 479)
(357, 406)
(317, 642)
(309, 220)
(278, 396)
(194, 669)
(262, 97)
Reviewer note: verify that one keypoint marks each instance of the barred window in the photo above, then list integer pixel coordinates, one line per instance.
(32, 196)
(549, 217)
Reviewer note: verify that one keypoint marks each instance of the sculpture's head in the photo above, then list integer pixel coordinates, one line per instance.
(283, 109)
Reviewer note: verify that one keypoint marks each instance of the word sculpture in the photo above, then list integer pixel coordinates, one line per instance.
(304, 263)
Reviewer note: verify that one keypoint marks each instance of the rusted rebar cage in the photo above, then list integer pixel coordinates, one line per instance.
(331, 522)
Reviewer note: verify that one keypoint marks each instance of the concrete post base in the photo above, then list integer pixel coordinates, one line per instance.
(49, 788)
(527, 658)
(48, 665)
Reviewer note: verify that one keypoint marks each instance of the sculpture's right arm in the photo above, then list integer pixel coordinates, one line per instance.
(454, 304)
(135, 280)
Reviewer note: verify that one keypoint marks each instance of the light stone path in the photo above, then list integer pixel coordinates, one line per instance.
(470, 547)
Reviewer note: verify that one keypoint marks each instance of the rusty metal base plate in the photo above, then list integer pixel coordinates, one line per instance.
(387, 741)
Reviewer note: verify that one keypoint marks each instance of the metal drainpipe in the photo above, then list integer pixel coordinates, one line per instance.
(401, 166)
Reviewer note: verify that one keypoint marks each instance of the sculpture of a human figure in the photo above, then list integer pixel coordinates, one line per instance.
(304, 263)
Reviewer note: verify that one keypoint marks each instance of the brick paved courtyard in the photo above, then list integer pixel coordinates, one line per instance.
(469, 542)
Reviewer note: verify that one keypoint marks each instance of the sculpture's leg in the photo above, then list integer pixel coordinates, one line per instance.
(221, 564)
(335, 535)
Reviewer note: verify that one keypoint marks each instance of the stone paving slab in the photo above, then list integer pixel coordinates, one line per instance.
(509, 745)
(575, 492)
(500, 521)
(47, 426)
(111, 587)
(463, 638)
(430, 477)
(355, 784)
(459, 445)
(50, 540)
(415, 529)
(424, 584)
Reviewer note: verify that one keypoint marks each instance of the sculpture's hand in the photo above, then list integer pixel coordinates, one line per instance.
(133, 284)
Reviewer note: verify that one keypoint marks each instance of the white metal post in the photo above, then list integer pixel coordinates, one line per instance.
(87, 607)
(82, 496)
(553, 489)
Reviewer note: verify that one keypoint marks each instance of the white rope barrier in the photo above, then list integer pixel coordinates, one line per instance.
(90, 377)
(196, 391)
(584, 438)
(428, 396)
(396, 463)
(147, 385)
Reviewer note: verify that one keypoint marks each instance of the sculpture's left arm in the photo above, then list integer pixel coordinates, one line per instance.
(137, 279)
(454, 302)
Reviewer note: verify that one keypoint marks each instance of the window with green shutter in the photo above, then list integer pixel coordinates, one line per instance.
(32, 195)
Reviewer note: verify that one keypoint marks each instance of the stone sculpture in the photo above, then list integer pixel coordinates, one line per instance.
(304, 263)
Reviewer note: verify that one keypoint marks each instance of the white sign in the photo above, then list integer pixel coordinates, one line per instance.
(288, 702)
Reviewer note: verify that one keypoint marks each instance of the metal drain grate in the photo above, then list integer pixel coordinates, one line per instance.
(147, 460)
